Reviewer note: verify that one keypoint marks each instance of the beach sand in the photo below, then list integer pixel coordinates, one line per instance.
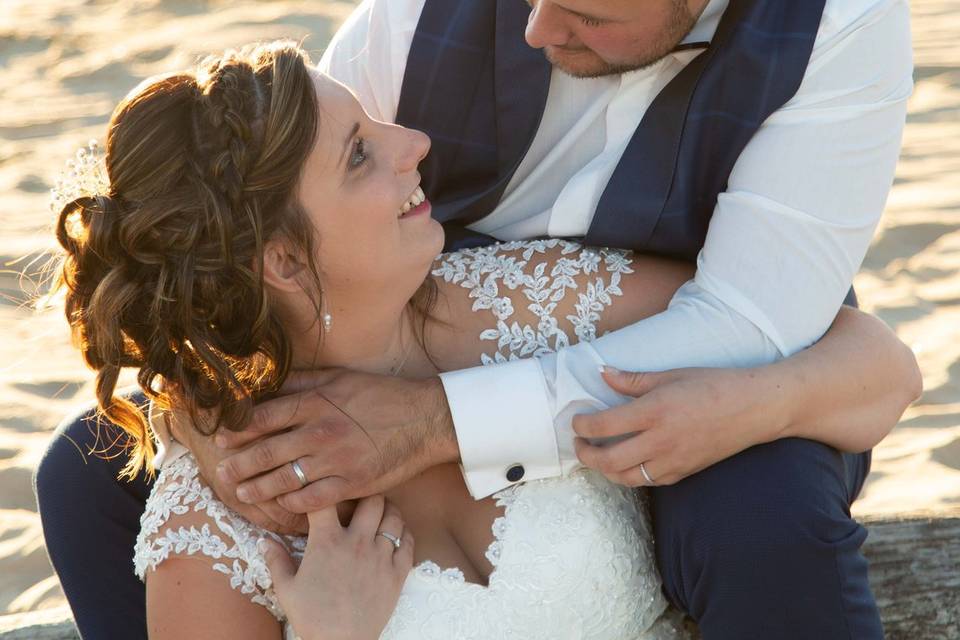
(64, 64)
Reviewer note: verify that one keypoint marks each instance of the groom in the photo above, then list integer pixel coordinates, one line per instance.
(757, 137)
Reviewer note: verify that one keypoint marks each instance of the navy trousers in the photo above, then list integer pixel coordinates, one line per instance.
(761, 545)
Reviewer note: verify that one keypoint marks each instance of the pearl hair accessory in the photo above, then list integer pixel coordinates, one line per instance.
(84, 175)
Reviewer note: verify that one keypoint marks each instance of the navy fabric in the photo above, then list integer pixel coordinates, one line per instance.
(663, 192)
(90, 525)
(482, 124)
(762, 545)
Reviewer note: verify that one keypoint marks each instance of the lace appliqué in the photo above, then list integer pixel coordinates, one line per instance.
(579, 546)
(484, 270)
(572, 557)
(225, 536)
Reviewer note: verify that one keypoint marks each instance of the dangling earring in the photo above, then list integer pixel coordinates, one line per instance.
(325, 317)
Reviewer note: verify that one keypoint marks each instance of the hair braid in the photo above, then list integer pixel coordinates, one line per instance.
(161, 273)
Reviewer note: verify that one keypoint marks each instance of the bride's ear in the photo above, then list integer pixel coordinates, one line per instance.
(283, 267)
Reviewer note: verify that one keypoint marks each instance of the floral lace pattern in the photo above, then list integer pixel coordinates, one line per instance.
(572, 556)
(224, 536)
(511, 265)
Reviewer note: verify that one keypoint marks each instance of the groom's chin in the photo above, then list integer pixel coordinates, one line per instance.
(585, 63)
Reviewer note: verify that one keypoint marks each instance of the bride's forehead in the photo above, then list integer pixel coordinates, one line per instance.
(338, 108)
(333, 96)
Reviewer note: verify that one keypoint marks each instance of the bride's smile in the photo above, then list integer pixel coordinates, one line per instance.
(375, 240)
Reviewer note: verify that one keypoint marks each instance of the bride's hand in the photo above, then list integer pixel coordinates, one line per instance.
(350, 578)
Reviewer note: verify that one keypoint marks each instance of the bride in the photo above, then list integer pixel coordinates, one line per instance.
(258, 222)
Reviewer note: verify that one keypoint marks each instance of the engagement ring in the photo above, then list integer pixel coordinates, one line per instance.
(394, 540)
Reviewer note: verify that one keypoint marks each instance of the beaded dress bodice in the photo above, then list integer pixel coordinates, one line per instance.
(572, 557)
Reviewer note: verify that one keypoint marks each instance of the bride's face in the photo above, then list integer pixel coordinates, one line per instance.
(357, 185)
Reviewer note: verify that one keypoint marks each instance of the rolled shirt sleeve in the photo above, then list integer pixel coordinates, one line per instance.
(782, 248)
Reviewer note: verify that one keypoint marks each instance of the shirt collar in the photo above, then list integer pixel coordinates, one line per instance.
(707, 25)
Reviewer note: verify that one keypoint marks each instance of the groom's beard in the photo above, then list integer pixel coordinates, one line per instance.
(582, 62)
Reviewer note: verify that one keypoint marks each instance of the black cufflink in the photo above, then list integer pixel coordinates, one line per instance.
(515, 473)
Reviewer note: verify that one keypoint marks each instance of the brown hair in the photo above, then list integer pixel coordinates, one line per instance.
(161, 271)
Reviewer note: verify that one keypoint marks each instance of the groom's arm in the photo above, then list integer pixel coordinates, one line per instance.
(783, 246)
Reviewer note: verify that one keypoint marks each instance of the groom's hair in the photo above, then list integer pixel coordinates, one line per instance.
(161, 271)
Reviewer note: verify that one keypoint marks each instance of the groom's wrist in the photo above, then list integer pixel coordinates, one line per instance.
(440, 438)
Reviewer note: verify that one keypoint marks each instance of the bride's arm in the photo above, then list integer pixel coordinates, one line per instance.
(858, 365)
(186, 599)
(850, 388)
(847, 390)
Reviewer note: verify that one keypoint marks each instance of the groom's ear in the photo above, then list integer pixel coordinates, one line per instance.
(283, 267)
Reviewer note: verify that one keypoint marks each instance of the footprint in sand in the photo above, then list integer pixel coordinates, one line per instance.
(33, 184)
(54, 389)
(903, 240)
(17, 492)
(948, 455)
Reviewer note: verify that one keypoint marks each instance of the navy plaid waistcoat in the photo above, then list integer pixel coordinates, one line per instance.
(478, 90)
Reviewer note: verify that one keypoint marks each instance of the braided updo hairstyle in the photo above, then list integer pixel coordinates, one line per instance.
(161, 271)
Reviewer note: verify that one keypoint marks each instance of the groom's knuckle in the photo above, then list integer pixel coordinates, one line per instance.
(255, 491)
(263, 456)
(606, 462)
(668, 479)
(316, 498)
(230, 472)
(260, 419)
(598, 425)
(315, 435)
(286, 479)
(579, 424)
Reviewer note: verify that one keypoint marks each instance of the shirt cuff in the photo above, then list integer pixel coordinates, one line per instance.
(502, 418)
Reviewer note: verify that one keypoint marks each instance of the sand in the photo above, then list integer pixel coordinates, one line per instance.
(64, 64)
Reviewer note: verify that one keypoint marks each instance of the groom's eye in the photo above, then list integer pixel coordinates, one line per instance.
(359, 154)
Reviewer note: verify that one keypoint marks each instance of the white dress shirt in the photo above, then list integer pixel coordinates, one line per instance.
(783, 245)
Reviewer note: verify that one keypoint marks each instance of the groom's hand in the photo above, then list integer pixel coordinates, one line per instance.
(351, 434)
(268, 514)
(683, 421)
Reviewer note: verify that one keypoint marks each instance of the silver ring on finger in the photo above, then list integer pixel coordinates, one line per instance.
(297, 469)
(394, 540)
(646, 476)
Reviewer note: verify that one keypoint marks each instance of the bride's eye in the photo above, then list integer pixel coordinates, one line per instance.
(359, 154)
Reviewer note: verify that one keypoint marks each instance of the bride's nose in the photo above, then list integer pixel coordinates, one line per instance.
(415, 146)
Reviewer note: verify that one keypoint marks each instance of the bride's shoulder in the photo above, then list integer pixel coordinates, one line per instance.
(184, 519)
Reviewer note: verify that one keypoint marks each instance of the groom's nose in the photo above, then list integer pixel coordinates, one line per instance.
(547, 25)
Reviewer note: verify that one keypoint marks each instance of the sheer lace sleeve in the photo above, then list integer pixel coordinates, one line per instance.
(184, 519)
(543, 294)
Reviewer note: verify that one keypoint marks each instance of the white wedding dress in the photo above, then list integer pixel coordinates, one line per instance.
(572, 556)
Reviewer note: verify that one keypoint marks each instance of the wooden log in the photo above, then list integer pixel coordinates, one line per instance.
(47, 624)
(914, 572)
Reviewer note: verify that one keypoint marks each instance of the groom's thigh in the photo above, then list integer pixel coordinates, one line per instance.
(90, 524)
(762, 545)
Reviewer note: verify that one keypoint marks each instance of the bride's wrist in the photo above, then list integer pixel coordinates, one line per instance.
(776, 392)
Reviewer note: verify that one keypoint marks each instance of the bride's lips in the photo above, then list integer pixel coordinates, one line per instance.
(417, 211)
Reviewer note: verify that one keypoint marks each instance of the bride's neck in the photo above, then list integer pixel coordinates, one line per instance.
(381, 339)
